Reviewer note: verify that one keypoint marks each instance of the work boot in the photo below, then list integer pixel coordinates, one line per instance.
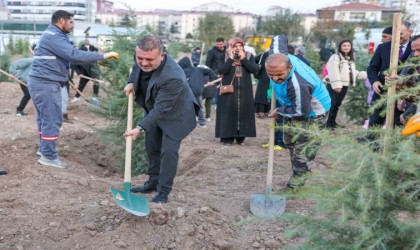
(53, 163)
(160, 197)
(148, 187)
(20, 113)
(66, 118)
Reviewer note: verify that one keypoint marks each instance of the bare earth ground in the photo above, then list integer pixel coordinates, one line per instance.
(47, 208)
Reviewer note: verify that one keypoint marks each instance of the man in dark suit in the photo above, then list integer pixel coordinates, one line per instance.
(380, 63)
(87, 69)
(161, 89)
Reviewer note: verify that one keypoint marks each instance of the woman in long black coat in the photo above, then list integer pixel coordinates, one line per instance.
(235, 117)
(262, 105)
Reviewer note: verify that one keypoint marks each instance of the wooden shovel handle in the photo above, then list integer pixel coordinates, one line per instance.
(128, 140)
(269, 183)
(92, 79)
(14, 78)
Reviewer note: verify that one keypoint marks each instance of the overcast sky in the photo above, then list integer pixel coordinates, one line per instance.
(252, 6)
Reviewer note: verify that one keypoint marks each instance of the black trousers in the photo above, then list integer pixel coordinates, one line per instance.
(376, 119)
(336, 100)
(87, 71)
(25, 99)
(162, 151)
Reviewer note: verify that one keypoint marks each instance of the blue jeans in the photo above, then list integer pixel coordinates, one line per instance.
(200, 116)
(46, 96)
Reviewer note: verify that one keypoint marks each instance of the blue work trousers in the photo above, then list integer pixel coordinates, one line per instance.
(46, 96)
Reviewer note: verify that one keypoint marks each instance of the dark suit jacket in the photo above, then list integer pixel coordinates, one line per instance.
(173, 106)
(380, 61)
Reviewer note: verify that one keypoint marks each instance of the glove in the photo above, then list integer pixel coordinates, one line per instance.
(111, 55)
(412, 126)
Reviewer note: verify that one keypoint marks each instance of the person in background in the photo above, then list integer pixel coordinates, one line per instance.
(161, 89)
(386, 37)
(235, 115)
(215, 57)
(195, 56)
(49, 73)
(379, 64)
(197, 80)
(19, 69)
(87, 69)
(261, 102)
(341, 73)
(300, 53)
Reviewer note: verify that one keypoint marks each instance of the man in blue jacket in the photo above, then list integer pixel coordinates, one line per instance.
(49, 73)
(304, 101)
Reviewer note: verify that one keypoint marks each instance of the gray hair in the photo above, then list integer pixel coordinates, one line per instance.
(149, 43)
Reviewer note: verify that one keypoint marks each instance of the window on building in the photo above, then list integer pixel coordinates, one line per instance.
(357, 15)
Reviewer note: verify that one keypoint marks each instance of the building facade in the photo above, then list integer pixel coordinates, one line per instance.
(83, 10)
(356, 12)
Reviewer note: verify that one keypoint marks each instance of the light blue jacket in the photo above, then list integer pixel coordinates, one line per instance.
(53, 54)
(302, 94)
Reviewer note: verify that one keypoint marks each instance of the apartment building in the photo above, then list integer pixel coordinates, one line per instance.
(41, 10)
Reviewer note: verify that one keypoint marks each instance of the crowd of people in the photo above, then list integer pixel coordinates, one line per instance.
(178, 96)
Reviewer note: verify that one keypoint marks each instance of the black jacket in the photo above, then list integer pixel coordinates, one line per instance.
(213, 58)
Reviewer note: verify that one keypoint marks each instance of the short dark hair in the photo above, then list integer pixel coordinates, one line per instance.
(387, 30)
(56, 16)
(220, 39)
(149, 43)
(415, 38)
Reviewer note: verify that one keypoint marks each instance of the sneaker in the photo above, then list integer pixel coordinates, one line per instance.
(20, 113)
(38, 153)
(267, 145)
(208, 119)
(278, 148)
(201, 126)
(75, 99)
(53, 163)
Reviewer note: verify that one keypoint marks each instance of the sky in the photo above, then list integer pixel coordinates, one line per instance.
(252, 6)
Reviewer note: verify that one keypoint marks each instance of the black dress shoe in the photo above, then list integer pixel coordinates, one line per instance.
(160, 197)
(3, 172)
(148, 187)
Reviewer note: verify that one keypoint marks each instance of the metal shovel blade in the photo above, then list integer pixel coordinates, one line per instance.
(264, 205)
(135, 204)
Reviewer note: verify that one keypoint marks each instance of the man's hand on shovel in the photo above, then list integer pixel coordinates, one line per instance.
(134, 133)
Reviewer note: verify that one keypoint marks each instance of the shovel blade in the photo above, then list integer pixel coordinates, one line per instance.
(134, 204)
(264, 205)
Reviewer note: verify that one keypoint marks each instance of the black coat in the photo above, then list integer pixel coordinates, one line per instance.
(214, 58)
(235, 114)
(263, 82)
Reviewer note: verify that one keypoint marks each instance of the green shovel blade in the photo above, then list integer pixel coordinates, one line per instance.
(135, 204)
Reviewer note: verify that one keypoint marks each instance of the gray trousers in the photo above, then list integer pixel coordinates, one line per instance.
(302, 148)
(162, 151)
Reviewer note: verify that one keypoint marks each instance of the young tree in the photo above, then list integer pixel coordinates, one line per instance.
(215, 25)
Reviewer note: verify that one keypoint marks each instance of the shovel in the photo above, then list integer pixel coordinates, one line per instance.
(135, 204)
(14, 78)
(268, 204)
(94, 102)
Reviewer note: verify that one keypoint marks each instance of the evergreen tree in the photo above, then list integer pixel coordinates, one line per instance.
(114, 106)
(369, 200)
